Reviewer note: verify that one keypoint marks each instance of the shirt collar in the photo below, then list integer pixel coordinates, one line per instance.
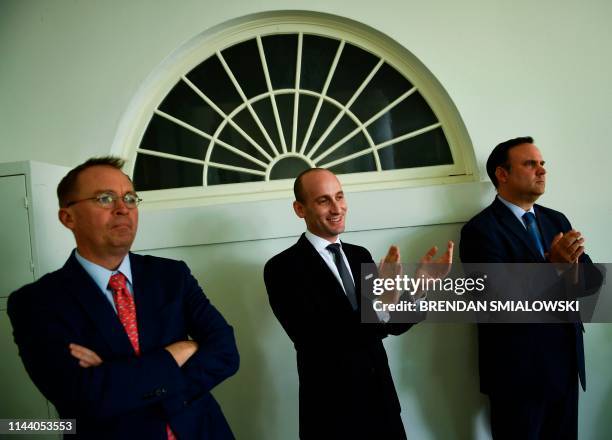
(317, 242)
(101, 275)
(516, 210)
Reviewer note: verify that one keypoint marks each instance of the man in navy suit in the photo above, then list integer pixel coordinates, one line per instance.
(127, 345)
(529, 371)
(346, 390)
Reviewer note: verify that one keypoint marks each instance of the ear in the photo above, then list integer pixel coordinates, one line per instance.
(502, 174)
(66, 218)
(299, 209)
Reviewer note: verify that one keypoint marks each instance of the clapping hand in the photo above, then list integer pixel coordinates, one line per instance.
(390, 267)
(436, 269)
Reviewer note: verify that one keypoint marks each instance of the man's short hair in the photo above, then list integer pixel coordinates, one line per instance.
(298, 188)
(67, 185)
(499, 156)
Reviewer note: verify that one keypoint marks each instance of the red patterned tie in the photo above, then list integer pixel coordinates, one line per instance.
(126, 310)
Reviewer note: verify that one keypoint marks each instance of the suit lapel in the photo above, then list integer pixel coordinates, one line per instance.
(547, 228)
(320, 269)
(96, 306)
(508, 219)
(145, 289)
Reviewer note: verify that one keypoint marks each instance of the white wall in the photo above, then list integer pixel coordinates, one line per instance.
(70, 68)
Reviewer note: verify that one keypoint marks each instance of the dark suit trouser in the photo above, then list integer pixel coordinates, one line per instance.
(536, 418)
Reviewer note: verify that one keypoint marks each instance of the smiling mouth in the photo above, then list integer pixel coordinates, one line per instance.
(335, 219)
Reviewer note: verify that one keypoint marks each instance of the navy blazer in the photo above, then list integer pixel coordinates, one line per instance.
(518, 358)
(346, 389)
(127, 396)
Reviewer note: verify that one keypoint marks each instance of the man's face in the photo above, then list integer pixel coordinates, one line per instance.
(324, 207)
(526, 179)
(101, 232)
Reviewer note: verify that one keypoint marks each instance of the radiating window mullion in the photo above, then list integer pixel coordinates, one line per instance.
(408, 135)
(169, 156)
(226, 117)
(209, 137)
(332, 69)
(364, 126)
(264, 65)
(342, 112)
(200, 162)
(347, 158)
(296, 99)
(390, 106)
(246, 101)
(235, 168)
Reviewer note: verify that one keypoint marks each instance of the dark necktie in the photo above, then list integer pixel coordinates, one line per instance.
(126, 311)
(345, 276)
(533, 231)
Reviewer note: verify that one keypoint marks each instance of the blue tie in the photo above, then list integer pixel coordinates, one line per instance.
(532, 228)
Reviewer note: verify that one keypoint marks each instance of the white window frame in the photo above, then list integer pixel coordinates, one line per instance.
(161, 81)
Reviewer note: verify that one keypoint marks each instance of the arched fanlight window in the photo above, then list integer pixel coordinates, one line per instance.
(275, 95)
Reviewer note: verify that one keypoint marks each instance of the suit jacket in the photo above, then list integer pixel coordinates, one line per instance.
(515, 359)
(346, 389)
(127, 396)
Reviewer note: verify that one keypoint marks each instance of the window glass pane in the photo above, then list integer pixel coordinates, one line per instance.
(184, 104)
(288, 168)
(152, 172)
(245, 63)
(343, 128)
(218, 176)
(263, 109)
(424, 150)
(167, 137)
(411, 114)
(281, 57)
(386, 86)
(353, 145)
(317, 56)
(245, 121)
(354, 66)
(285, 103)
(212, 80)
(224, 156)
(326, 115)
(306, 109)
(358, 165)
(231, 136)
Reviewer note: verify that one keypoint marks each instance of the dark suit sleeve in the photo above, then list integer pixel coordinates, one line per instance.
(217, 356)
(113, 388)
(121, 383)
(297, 314)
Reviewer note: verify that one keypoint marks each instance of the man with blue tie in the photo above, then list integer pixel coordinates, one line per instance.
(127, 345)
(529, 371)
